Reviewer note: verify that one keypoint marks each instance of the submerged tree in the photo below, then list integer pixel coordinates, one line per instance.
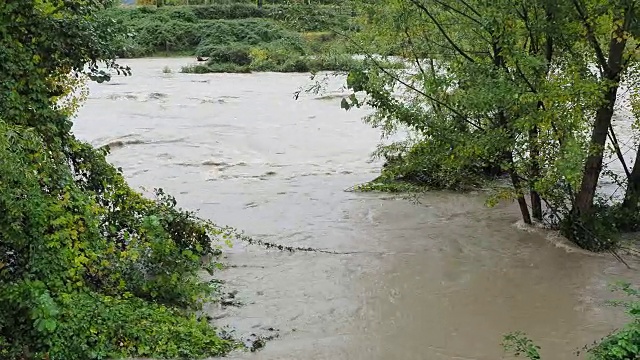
(614, 25)
(515, 87)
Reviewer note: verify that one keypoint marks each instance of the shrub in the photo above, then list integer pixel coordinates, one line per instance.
(238, 55)
(89, 268)
(202, 29)
(426, 164)
(216, 34)
(305, 18)
(107, 327)
(171, 35)
(84, 260)
(229, 11)
(624, 343)
(216, 68)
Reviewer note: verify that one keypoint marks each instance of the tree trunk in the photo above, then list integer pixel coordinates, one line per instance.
(612, 69)
(534, 148)
(593, 165)
(522, 202)
(536, 202)
(517, 186)
(536, 205)
(632, 196)
(260, 4)
(502, 122)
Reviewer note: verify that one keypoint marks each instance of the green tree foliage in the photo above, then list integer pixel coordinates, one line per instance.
(89, 269)
(524, 89)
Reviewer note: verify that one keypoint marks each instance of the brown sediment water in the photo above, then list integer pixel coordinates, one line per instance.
(442, 278)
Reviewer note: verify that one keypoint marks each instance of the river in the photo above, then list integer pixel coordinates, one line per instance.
(438, 278)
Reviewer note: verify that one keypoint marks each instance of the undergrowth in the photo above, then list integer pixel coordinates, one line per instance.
(300, 35)
(428, 165)
(244, 59)
(89, 267)
(102, 273)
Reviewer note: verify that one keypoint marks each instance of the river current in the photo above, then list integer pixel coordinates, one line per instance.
(442, 277)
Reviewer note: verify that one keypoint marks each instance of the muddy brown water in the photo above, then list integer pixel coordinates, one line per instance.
(444, 278)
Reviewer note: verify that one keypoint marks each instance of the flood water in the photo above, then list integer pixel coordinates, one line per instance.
(442, 278)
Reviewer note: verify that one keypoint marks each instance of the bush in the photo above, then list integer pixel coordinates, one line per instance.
(342, 62)
(83, 264)
(170, 35)
(238, 55)
(200, 30)
(89, 268)
(230, 11)
(623, 344)
(278, 56)
(430, 164)
(94, 326)
(216, 34)
(305, 18)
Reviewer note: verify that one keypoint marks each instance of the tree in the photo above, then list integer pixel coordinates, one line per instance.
(632, 196)
(621, 32)
(631, 203)
(508, 85)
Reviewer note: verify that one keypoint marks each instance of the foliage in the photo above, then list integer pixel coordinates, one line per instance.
(435, 163)
(503, 88)
(246, 32)
(518, 344)
(305, 18)
(622, 344)
(89, 268)
(282, 55)
(95, 326)
(227, 33)
(183, 30)
(297, 17)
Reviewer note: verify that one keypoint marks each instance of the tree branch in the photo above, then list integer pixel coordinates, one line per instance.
(526, 80)
(442, 31)
(407, 85)
(447, 6)
(473, 10)
(435, 105)
(616, 146)
(602, 61)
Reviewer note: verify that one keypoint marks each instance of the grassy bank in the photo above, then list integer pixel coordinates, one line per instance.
(239, 37)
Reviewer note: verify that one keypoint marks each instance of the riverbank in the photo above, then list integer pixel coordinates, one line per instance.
(240, 37)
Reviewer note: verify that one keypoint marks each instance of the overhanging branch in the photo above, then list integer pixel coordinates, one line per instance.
(442, 30)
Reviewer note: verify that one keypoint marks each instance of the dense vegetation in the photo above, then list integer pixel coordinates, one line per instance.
(523, 90)
(89, 269)
(239, 37)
